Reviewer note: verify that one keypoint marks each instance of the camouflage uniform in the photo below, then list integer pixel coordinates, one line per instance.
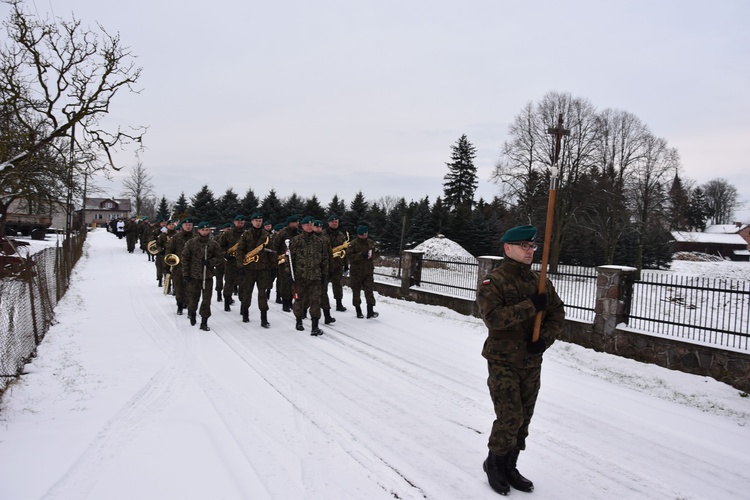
(231, 236)
(131, 234)
(284, 280)
(336, 271)
(161, 245)
(194, 269)
(310, 262)
(255, 273)
(175, 246)
(361, 270)
(514, 372)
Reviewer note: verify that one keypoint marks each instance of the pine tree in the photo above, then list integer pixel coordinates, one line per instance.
(181, 208)
(358, 210)
(249, 203)
(391, 230)
(228, 206)
(423, 224)
(204, 207)
(698, 210)
(272, 208)
(338, 207)
(314, 209)
(163, 210)
(461, 180)
(294, 205)
(679, 205)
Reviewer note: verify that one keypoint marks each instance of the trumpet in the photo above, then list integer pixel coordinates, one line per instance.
(152, 248)
(339, 252)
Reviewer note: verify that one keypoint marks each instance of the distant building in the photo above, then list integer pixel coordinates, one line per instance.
(100, 211)
(730, 241)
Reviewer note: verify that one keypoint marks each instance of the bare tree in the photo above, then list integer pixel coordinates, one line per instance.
(57, 80)
(139, 188)
(722, 199)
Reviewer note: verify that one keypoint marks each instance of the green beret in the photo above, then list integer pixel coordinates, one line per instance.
(307, 220)
(518, 234)
(188, 220)
(256, 215)
(362, 229)
(333, 217)
(267, 223)
(226, 225)
(239, 217)
(278, 227)
(293, 218)
(203, 224)
(318, 223)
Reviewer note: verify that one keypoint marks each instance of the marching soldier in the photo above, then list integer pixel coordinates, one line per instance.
(175, 246)
(131, 234)
(309, 263)
(228, 242)
(159, 256)
(219, 270)
(198, 259)
(362, 271)
(283, 281)
(255, 272)
(325, 304)
(336, 238)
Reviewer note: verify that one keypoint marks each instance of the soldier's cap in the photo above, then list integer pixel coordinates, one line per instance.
(518, 234)
(256, 215)
(292, 218)
(226, 225)
(307, 220)
(362, 229)
(267, 222)
(333, 217)
(278, 227)
(188, 220)
(239, 217)
(171, 221)
(318, 223)
(203, 225)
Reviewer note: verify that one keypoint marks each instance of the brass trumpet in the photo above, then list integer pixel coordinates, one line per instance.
(152, 248)
(252, 255)
(171, 260)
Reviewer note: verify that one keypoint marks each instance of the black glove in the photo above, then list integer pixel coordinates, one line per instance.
(540, 301)
(228, 257)
(204, 262)
(187, 279)
(537, 347)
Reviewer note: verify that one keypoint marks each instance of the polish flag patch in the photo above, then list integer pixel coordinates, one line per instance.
(486, 282)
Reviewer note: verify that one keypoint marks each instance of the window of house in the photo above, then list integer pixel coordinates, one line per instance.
(109, 204)
(98, 216)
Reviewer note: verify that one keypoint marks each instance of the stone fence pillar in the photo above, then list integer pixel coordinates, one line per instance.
(486, 264)
(614, 289)
(412, 270)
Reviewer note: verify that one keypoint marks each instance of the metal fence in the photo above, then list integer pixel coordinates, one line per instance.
(576, 286)
(30, 288)
(711, 310)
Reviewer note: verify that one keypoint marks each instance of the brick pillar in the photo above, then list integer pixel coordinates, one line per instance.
(486, 264)
(614, 287)
(412, 266)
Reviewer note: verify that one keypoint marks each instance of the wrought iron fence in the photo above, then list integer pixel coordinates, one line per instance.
(711, 310)
(30, 288)
(576, 286)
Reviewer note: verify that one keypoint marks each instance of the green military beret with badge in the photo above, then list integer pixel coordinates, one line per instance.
(204, 225)
(518, 234)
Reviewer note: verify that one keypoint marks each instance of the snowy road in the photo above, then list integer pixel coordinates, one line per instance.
(127, 401)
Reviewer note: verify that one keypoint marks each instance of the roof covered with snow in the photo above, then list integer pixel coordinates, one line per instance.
(724, 228)
(724, 239)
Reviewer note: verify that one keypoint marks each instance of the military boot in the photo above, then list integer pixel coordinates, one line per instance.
(227, 306)
(179, 308)
(315, 330)
(204, 324)
(370, 312)
(218, 296)
(191, 317)
(329, 319)
(359, 312)
(287, 305)
(339, 306)
(245, 314)
(264, 319)
(159, 280)
(298, 325)
(494, 466)
(514, 477)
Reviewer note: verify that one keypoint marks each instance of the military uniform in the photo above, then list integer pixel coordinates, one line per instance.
(310, 264)
(162, 241)
(255, 273)
(336, 238)
(231, 237)
(220, 269)
(175, 246)
(283, 279)
(362, 271)
(199, 257)
(131, 234)
(507, 300)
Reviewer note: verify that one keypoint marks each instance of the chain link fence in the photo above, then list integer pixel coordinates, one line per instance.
(30, 288)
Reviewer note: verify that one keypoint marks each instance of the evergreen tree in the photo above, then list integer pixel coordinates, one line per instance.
(181, 208)
(314, 209)
(440, 216)
(678, 205)
(273, 209)
(378, 220)
(480, 231)
(163, 210)
(358, 211)
(294, 205)
(392, 227)
(461, 180)
(422, 225)
(698, 210)
(204, 207)
(228, 206)
(337, 206)
(458, 228)
(249, 204)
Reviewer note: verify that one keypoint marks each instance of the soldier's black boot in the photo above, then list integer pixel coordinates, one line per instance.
(494, 466)
(359, 311)
(304, 313)
(264, 319)
(218, 296)
(245, 314)
(370, 312)
(204, 324)
(278, 297)
(287, 305)
(339, 306)
(315, 330)
(329, 319)
(298, 325)
(514, 477)
(191, 317)
(159, 281)
(227, 306)
(179, 308)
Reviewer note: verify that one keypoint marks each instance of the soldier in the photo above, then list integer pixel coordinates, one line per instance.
(274, 269)
(199, 257)
(309, 263)
(336, 238)
(228, 242)
(325, 304)
(219, 270)
(166, 234)
(283, 281)
(175, 246)
(362, 271)
(131, 234)
(508, 302)
(254, 273)
(154, 236)
(144, 236)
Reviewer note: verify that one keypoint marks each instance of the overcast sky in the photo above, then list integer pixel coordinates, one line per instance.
(332, 97)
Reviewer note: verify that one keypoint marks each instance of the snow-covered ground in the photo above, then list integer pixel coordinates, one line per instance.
(127, 401)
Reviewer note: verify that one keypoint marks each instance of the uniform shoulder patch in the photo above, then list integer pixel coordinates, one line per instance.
(486, 281)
